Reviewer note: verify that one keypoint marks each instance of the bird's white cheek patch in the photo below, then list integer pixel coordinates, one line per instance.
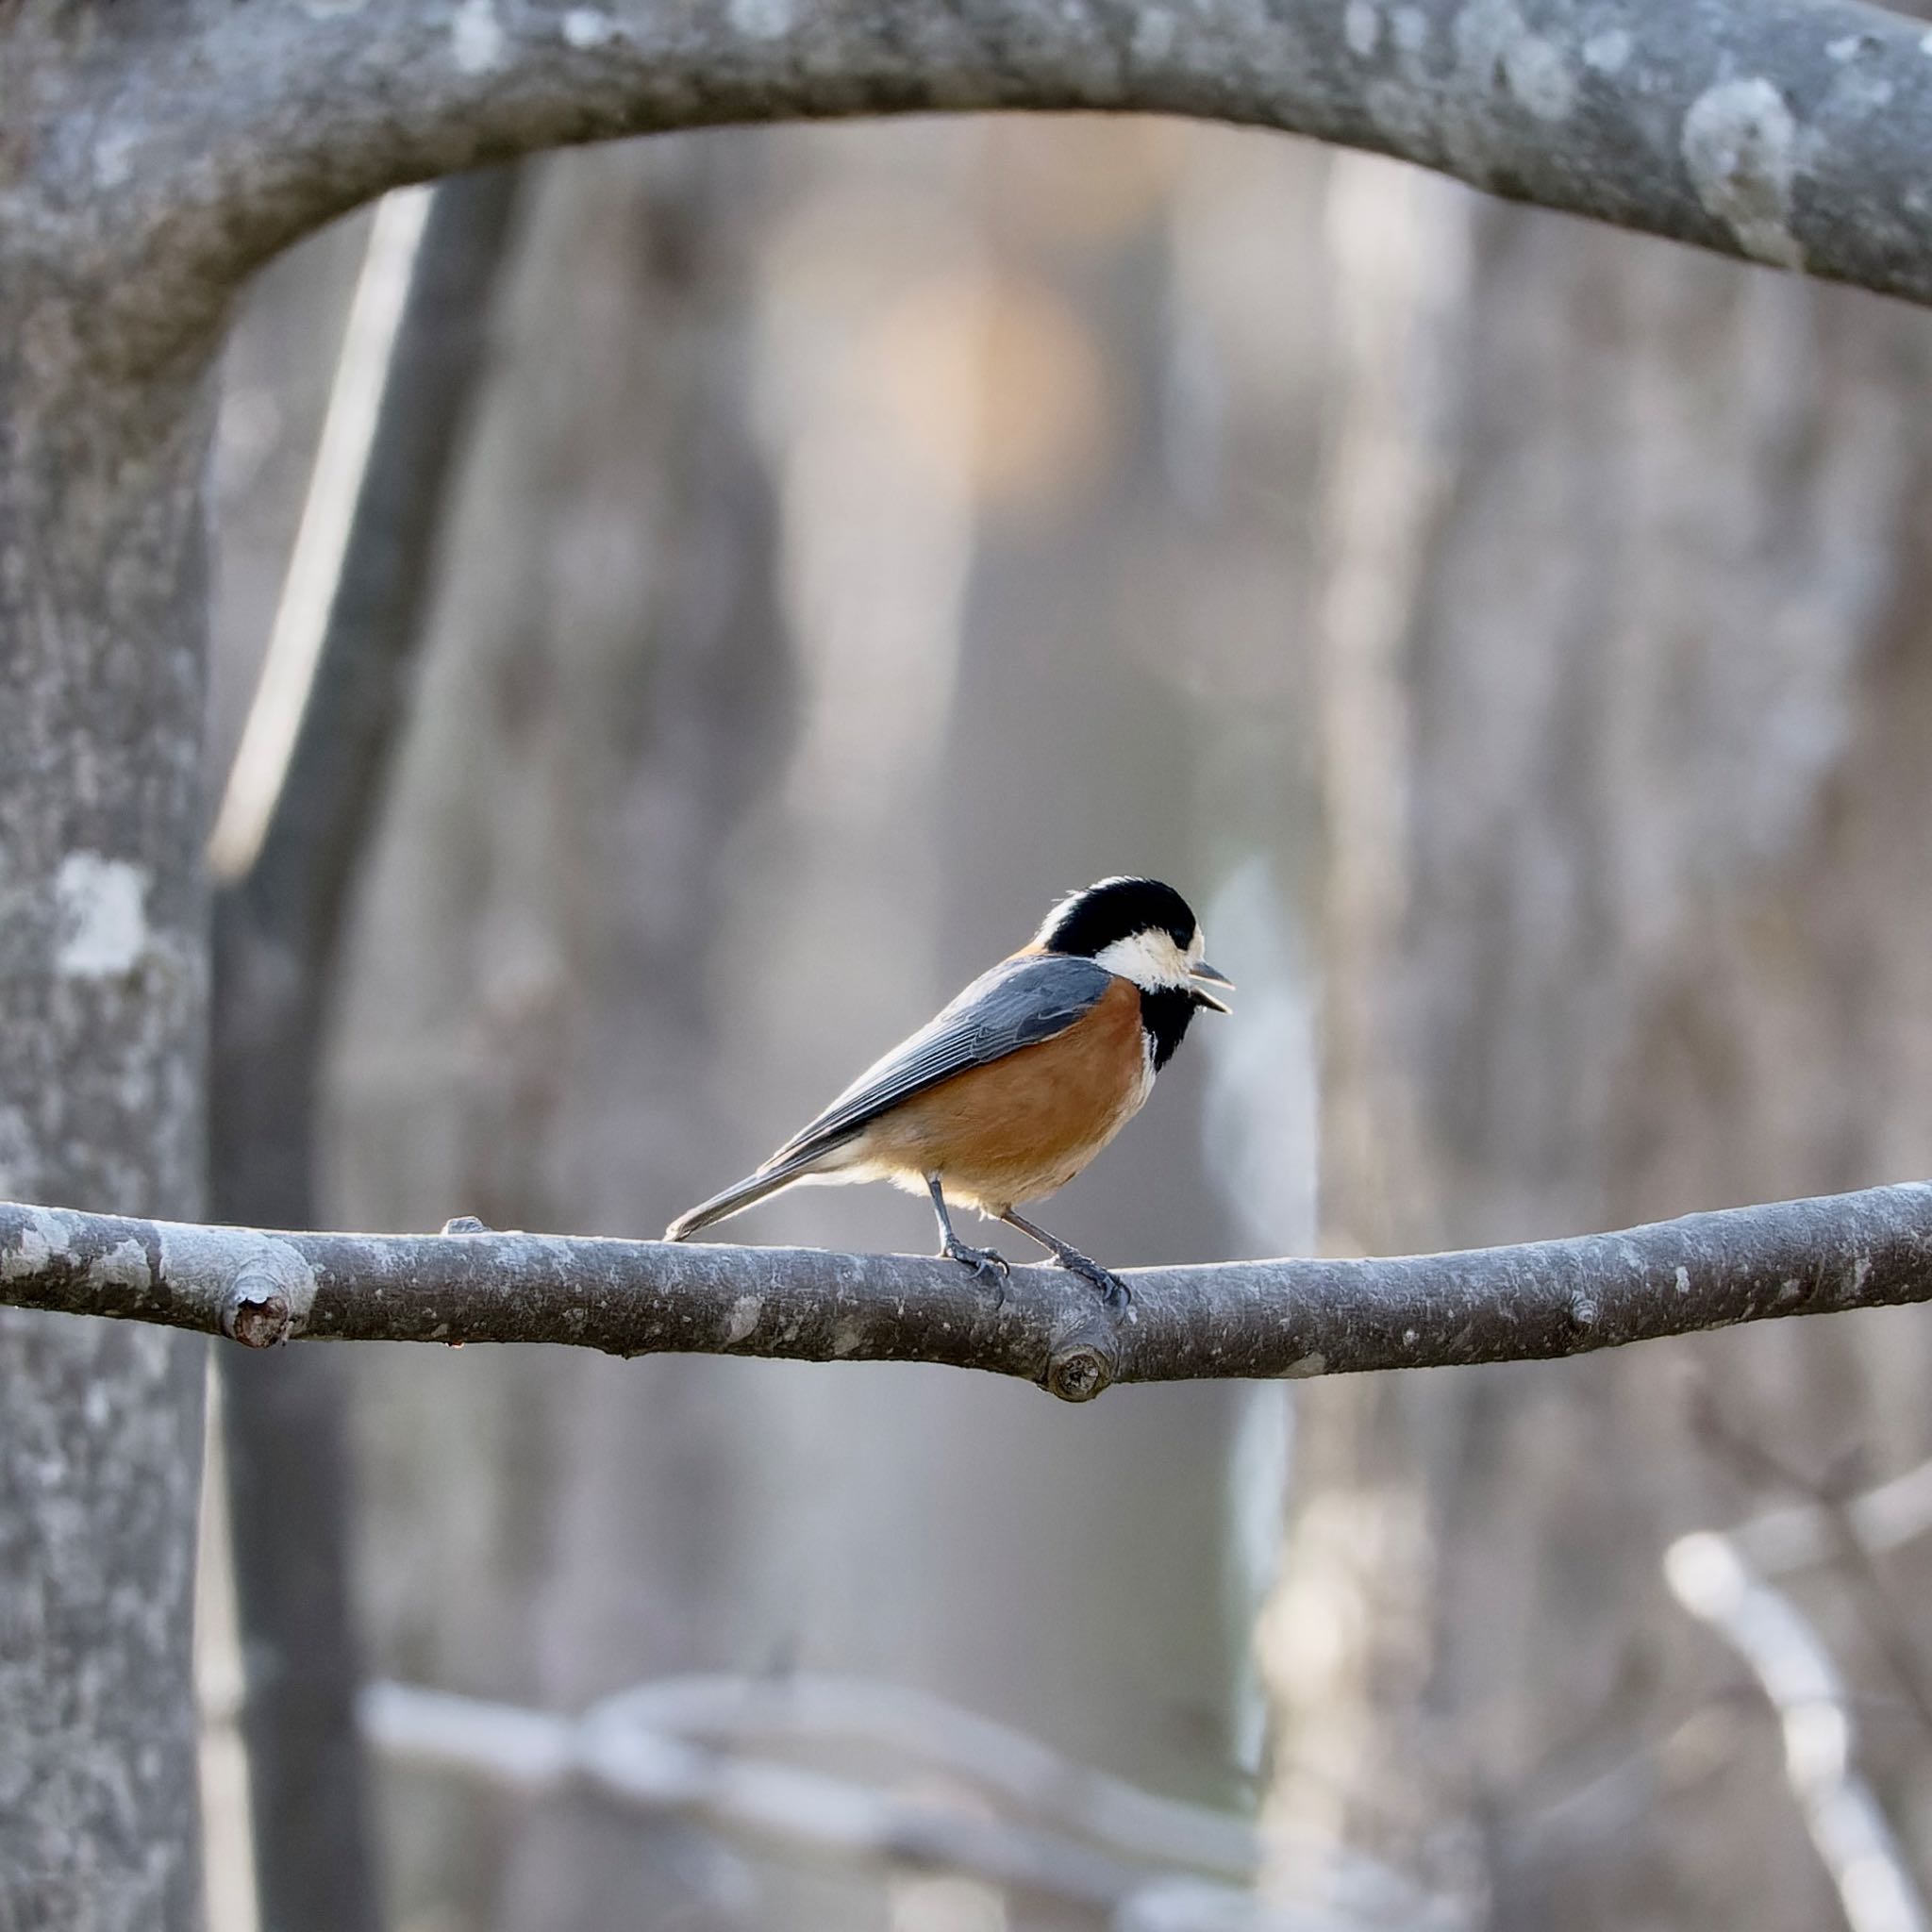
(1150, 960)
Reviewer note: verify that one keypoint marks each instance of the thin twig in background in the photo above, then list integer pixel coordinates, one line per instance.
(1884, 1620)
(1710, 1578)
(1885, 1517)
(643, 1749)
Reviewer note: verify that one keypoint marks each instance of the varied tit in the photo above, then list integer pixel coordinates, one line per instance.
(1008, 1093)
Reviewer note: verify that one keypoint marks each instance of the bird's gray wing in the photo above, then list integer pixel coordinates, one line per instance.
(1020, 1003)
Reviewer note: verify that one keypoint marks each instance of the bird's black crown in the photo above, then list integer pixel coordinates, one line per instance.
(1089, 922)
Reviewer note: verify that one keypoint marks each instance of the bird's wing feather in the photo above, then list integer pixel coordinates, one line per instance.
(1021, 1002)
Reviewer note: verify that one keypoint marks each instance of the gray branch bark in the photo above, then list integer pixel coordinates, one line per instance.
(1789, 131)
(1294, 1318)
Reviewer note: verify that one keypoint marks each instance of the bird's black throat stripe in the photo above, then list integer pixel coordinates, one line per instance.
(1164, 1017)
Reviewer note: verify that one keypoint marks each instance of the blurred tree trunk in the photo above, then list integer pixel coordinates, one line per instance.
(1628, 681)
(277, 941)
(1104, 1605)
(526, 1034)
(627, 929)
(102, 990)
(980, 478)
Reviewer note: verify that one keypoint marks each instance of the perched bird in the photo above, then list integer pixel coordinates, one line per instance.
(1011, 1090)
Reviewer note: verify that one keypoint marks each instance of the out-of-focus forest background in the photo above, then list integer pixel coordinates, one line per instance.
(1511, 635)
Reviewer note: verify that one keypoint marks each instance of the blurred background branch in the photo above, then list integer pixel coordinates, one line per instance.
(1709, 1577)
(1886, 1516)
(955, 1794)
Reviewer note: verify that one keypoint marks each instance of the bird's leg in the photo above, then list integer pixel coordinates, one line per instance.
(982, 1261)
(1113, 1290)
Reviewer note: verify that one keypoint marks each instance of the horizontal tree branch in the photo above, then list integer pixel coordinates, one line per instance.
(1789, 131)
(1294, 1318)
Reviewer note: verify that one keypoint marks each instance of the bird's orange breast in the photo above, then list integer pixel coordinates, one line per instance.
(1019, 1128)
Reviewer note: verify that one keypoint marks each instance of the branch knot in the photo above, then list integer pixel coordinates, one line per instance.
(268, 1301)
(1082, 1363)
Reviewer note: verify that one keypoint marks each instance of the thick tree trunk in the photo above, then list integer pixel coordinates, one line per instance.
(103, 979)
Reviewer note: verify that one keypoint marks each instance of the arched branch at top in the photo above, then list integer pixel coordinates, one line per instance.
(1789, 131)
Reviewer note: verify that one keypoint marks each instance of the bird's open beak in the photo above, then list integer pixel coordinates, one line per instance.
(1214, 976)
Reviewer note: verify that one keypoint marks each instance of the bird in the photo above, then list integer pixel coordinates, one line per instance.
(1008, 1091)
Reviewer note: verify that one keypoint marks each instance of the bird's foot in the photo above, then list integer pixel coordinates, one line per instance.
(985, 1263)
(1113, 1290)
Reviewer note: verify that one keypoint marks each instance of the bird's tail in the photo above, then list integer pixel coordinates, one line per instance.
(753, 1189)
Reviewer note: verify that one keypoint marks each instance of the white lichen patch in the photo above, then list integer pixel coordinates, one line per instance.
(1362, 28)
(585, 28)
(847, 1337)
(1741, 145)
(1410, 28)
(1852, 45)
(1153, 34)
(102, 907)
(113, 156)
(476, 37)
(761, 20)
(1609, 52)
(33, 1254)
(125, 1265)
(1305, 1366)
(1682, 1280)
(1493, 38)
(1540, 78)
(744, 1315)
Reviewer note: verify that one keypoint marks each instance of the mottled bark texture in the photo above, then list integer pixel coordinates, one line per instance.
(1299, 1317)
(1788, 132)
(278, 932)
(101, 994)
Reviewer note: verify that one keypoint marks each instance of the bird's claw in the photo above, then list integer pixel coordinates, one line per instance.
(1114, 1292)
(984, 1262)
